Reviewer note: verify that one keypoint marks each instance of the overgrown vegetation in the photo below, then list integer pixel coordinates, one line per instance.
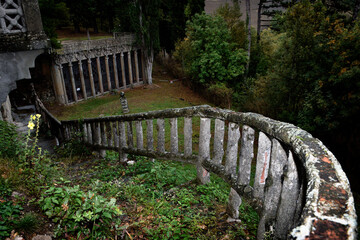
(95, 198)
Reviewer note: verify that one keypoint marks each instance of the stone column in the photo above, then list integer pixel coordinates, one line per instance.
(5, 113)
(63, 83)
(83, 88)
(73, 82)
(100, 75)
(115, 72)
(92, 85)
(123, 69)
(136, 67)
(107, 71)
(58, 83)
(130, 69)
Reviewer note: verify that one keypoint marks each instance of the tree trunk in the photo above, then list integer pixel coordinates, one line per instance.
(148, 54)
(248, 22)
(259, 19)
(149, 59)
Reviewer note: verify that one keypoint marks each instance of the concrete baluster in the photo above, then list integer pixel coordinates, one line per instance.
(219, 141)
(149, 135)
(230, 168)
(246, 155)
(187, 136)
(161, 135)
(122, 142)
(203, 176)
(139, 135)
(262, 165)
(116, 134)
(289, 196)
(273, 188)
(130, 138)
(174, 139)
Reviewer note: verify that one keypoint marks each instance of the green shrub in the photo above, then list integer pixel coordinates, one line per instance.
(9, 144)
(80, 214)
(9, 213)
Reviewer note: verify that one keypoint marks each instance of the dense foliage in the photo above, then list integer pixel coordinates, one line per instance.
(313, 76)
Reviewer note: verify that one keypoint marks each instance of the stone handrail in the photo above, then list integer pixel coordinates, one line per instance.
(299, 189)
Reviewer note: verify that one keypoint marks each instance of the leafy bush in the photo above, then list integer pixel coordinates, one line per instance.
(80, 214)
(9, 213)
(221, 95)
(9, 144)
(73, 147)
(208, 55)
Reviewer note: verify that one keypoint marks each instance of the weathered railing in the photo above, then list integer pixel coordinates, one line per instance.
(297, 186)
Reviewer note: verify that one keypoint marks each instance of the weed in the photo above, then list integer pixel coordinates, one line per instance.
(9, 213)
(80, 214)
(29, 223)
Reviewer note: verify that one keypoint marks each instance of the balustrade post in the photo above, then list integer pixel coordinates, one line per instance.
(174, 139)
(139, 135)
(289, 195)
(273, 188)
(130, 134)
(100, 75)
(149, 135)
(83, 88)
(85, 133)
(89, 133)
(262, 165)
(230, 168)
(187, 136)
(203, 176)
(219, 141)
(116, 134)
(122, 142)
(161, 135)
(246, 155)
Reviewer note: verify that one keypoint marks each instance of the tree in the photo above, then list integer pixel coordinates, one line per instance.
(53, 14)
(248, 23)
(208, 53)
(232, 15)
(144, 18)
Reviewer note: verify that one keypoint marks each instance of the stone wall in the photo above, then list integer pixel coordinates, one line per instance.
(21, 40)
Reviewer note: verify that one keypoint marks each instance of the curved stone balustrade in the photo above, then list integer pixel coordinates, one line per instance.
(292, 180)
